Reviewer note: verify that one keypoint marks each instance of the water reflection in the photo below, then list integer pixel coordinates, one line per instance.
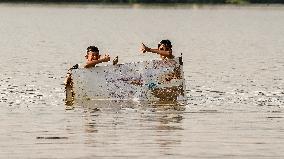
(168, 117)
(134, 121)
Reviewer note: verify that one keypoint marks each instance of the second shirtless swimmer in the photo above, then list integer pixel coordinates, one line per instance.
(164, 49)
(93, 57)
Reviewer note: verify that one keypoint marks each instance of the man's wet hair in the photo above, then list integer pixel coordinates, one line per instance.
(93, 48)
(167, 43)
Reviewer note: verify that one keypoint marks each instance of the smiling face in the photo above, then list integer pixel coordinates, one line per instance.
(92, 55)
(163, 47)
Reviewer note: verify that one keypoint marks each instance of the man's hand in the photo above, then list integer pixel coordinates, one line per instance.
(144, 48)
(106, 58)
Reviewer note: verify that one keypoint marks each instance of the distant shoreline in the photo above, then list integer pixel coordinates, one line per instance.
(150, 2)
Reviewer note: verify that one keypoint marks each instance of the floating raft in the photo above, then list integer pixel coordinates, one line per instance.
(155, 80)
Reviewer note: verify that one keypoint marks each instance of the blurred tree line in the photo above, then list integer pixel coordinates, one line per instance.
(156, 1)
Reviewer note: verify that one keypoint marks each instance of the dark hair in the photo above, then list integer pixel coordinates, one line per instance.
(93, 48)
(167, 43)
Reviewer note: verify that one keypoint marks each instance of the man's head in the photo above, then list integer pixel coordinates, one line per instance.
(165, 45)
(93, 51)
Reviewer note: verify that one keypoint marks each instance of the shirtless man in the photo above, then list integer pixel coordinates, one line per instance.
(93, 57)
(164, 49)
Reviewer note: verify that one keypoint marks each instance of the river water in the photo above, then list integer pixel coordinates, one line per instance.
(233, 66)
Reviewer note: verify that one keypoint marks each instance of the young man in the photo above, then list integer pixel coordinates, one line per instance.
(93, 57)
(164, 49)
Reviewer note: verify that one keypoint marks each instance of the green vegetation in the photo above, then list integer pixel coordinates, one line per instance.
(237, 1)
(154, 1)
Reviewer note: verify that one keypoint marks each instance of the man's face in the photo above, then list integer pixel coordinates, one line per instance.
(163, 47)
(93, 55)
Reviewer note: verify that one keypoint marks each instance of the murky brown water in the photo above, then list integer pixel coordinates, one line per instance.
(234, 68)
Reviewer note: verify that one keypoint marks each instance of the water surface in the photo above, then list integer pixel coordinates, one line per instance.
(233, 65)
